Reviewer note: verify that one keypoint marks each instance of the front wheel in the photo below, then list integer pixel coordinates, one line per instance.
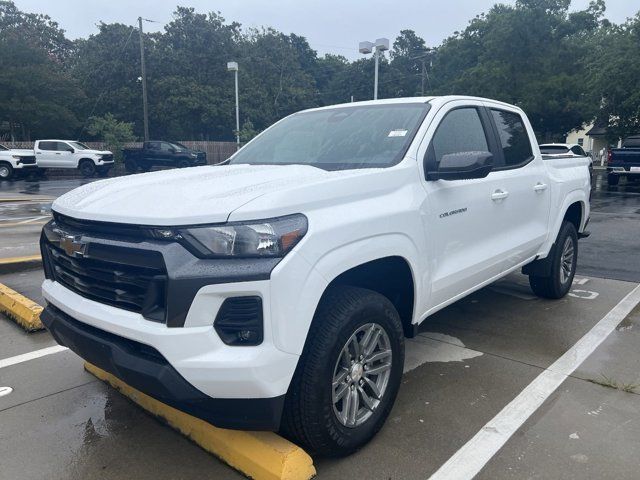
(6, 171)
(564, 259)
(87, 168)
(349, 374)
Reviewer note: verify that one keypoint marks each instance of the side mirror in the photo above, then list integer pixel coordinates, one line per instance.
(70, 150)
(463, 166)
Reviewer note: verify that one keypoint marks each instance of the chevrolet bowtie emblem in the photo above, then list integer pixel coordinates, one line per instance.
(73, 245)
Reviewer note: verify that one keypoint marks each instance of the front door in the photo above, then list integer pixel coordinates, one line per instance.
(460, 217)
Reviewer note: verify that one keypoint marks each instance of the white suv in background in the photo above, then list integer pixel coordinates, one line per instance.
(72, 154)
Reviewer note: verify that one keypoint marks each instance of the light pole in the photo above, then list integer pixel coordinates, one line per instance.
(233, 67)
(145, 111)
(380, 45)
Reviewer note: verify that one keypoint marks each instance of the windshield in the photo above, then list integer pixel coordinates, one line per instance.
(79, 146)
(370, 136)
(179, 146)
(553, 149)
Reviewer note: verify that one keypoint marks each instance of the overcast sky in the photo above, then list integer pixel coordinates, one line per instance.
(331, 26)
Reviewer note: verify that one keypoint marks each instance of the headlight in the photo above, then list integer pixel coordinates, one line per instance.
(193, 155)
(273, 237)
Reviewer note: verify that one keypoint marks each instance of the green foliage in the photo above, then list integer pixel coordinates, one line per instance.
(112, 132)
(563, 68)
(248, 131)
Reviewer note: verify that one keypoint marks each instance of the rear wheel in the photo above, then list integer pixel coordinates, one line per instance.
(6, 171)
(131, 166)
(183, 164)
(87, 168)
(349, 374)
(613, 179)
(564, 259)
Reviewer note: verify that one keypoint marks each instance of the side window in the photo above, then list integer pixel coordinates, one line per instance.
(459, 131)
(153, 145)
(578, 151)
(165, 147)
(49, 146)
(62, 147)
(513, 138)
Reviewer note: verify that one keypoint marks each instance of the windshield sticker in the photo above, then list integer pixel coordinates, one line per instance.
(397, 133)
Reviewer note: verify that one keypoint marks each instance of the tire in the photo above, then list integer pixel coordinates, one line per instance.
(184, 164)
(613, 179)
(131, 166)
(563, 269)
(310, 416)
(87, 168)
(6, 171)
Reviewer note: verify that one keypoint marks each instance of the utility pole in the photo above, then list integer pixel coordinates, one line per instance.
(144, 83)
(233, 67)
(422, 78)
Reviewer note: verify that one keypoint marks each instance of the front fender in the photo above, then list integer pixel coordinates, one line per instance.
(295, 297)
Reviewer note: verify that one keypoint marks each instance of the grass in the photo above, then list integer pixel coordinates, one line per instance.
(612, 383)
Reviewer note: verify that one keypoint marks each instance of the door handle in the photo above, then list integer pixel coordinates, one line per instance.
(539, 187)
(499, 195)
(58, 153)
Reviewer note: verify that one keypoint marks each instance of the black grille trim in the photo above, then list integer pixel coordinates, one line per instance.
(238, 314)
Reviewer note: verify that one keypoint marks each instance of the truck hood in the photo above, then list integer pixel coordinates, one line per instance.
(187, 196)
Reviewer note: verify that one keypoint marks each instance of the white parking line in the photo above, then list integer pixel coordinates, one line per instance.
(7, 362)
(476, 453)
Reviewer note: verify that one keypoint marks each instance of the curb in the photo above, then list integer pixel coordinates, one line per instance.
(26, 199)
(19, 308)
(20, 264)
(258, 455)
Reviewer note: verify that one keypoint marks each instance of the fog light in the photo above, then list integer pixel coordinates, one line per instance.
(239, 321)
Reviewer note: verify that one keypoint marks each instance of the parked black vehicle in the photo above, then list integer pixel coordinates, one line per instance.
(161, 154)
(625, 161)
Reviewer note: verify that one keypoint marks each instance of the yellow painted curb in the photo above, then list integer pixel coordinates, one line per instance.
(17, 264)
(25, 312)
(258, 455)
(26, 199)
(28, 258)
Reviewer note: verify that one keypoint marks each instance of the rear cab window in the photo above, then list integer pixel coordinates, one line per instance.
(513, 137)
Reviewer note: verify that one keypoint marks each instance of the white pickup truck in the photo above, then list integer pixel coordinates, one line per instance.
(14, 161)
(275, 292)
(70, 154)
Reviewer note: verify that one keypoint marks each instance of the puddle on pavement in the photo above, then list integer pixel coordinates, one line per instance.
(431, 347)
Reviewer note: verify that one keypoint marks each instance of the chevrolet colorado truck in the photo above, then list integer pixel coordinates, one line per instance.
(15, 161)
(275, 292)
(161, 154)
(624, 162)
(69, 154)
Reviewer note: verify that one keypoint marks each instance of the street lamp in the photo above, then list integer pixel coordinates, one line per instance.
(233, 67)
(380, 45)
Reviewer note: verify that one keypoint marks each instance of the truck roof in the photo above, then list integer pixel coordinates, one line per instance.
(408, 100)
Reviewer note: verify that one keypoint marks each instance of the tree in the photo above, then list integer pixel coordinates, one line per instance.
(531, 54)
(37, 93)
(112, 132)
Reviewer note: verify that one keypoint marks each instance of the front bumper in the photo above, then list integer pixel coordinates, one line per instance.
(146, 369)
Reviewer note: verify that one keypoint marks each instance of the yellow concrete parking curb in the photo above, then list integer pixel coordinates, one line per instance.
(17, 264)
(25, 312)
(26, 199)
(258, 455)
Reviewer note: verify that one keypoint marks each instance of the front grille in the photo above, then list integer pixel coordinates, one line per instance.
(107, 158)
(125, 278)
(28, 160)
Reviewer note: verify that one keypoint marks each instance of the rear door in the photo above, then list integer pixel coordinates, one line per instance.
(522, 216)
(46, 153)
(461, 219)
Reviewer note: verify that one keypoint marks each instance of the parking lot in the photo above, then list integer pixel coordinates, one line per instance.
(475, 371)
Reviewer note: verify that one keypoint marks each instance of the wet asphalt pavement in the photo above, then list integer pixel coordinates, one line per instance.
(469, 361)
